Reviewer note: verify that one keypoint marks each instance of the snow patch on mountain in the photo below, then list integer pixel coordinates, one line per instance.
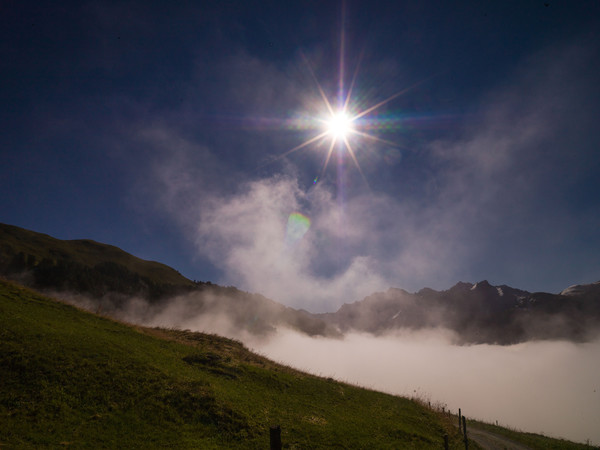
(578, 289)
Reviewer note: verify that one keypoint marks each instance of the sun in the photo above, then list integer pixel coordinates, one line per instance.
(339, 126)
(345, 123)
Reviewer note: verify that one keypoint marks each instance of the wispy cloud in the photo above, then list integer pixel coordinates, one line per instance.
(246, 234)
(487, 212)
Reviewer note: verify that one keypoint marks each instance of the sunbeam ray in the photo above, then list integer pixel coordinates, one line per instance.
(329, 152)
(351, 152)
(354, 76)
(375, 138)
(323, 96)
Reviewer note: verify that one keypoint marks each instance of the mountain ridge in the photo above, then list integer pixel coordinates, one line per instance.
(478, 313)
(105, 278)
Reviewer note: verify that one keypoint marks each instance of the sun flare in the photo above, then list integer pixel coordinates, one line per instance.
(345, 125)
(339, 125)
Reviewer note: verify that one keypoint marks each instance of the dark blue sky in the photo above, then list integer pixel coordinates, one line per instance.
(164, 129)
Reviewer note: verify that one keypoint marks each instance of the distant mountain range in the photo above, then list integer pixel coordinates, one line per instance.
(479, 313)
(104, 278)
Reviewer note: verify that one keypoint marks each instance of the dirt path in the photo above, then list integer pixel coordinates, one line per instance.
(491, 441)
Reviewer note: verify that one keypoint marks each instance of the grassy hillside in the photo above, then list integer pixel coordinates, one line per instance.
(70, 378)
(38, 247)
(109, 277)
(85, 266)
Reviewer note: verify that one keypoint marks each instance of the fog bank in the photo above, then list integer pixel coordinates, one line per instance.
(551, 388)
(547, 387)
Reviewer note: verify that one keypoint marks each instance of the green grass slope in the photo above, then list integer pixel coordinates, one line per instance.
(71, 378)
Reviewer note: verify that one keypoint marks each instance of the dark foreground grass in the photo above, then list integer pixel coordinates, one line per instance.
(73, 379)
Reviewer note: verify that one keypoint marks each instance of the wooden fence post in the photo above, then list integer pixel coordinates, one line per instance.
(275, 437)
(446, 442)
(465, 432)
(459, 419)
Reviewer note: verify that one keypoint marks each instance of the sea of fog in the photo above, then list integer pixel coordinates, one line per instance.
(546, 387)
(551, 388)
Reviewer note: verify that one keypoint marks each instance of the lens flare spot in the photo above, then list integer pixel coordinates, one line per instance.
(297, 226)
(392, 156)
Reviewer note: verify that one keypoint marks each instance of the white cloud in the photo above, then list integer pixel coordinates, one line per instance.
(245, 234)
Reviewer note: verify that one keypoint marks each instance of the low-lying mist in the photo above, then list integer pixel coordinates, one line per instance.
(542, 387)
(549, 387)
